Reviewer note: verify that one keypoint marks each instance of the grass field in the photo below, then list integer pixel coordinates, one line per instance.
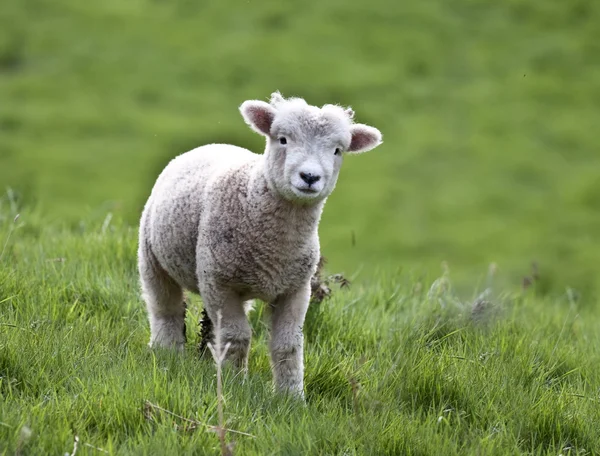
(491, 162)
(394, 366)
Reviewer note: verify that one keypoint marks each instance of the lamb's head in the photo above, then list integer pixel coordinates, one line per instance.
(306, 144)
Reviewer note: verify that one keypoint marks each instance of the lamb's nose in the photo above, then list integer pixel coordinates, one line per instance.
(309, 178)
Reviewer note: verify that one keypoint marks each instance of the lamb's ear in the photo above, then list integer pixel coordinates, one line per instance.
(364, 138)
(259, 115)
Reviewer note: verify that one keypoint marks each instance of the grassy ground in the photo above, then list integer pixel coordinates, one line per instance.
(489, 113)
(395, 366)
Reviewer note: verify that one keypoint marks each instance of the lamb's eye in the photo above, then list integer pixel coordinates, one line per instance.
(338, 151)
(282, 140)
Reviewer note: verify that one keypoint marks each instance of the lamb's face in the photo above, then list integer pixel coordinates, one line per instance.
(306, 144)
(304, 152)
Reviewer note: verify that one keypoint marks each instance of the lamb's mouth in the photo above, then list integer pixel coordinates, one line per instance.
(307, 190)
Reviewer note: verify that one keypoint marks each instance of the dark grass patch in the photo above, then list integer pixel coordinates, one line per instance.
(547, 430)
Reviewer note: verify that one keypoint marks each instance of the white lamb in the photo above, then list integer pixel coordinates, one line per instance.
(232, 226)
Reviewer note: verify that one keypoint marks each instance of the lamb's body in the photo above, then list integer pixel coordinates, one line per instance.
(211, 217)
(232, 225)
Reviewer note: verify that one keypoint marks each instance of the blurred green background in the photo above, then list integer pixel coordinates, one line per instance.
(490, 112)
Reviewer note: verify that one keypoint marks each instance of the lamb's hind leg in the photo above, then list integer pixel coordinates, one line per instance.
(164, 301)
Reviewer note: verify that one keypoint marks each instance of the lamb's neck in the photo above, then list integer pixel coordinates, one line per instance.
(273, 207)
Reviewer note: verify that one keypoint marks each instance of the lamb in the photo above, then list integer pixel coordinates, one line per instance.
(234, 226)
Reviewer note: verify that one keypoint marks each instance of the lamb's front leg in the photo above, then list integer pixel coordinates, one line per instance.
(287, 340)
(235, 329)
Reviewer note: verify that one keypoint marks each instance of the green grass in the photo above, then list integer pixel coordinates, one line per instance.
(489, 112)
(399, 365)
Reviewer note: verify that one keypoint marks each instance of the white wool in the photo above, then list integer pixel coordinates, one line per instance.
(232, 226)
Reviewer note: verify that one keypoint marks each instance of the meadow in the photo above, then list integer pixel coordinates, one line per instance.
(469, 237)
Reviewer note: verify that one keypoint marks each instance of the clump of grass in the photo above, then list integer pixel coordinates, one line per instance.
(320, 285)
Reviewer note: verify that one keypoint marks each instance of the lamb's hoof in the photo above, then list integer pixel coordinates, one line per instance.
(292, 391)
